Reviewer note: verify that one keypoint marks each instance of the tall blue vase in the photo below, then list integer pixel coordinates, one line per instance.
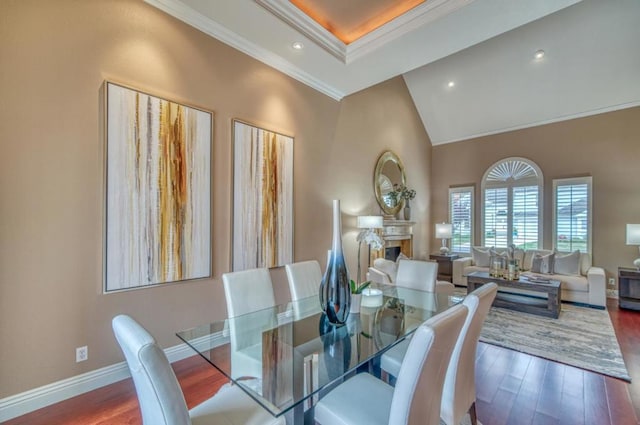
(335, 293)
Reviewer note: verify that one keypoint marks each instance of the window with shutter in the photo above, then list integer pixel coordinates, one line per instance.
(572, 214)
(512, 204)
(461, 218)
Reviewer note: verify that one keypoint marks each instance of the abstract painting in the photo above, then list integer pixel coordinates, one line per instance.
(262, 197)
(158, 196)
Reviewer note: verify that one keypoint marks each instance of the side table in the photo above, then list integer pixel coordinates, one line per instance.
(445, 265)
(629, 288)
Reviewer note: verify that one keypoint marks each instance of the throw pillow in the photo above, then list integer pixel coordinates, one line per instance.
(542, 263)
(480, 256)
(401, 256)
(567, 264)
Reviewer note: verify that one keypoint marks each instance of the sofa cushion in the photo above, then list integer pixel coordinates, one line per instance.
(542, 263)
(567, 264)
(472, 269)
(528, 257)
(572, 283)
(481, 256)
(585, 263)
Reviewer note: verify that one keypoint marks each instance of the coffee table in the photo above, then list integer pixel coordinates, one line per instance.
(549, 307)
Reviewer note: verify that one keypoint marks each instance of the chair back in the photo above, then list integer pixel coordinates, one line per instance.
(459, 391)
(247, 291)
(418, 391)
(159, 394)
(417, 274)
(304, 279)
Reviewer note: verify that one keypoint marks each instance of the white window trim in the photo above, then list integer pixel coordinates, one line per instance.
(510, 185)
(571, 181)
(473, 207)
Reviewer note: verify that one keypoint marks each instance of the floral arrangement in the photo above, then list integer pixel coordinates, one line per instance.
(403, 192)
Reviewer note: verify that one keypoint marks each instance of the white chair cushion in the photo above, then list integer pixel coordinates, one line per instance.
(232, 406)
(391, 360)
(362, 399)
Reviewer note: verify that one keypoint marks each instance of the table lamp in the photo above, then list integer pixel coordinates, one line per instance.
(444, 231)
(633, 238)
(369, 235)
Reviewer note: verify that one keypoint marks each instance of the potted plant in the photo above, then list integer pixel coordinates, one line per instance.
(356, 295)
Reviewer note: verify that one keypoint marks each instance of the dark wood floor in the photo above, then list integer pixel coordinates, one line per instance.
(512, 389)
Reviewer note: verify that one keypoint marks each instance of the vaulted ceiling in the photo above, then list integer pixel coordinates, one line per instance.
(470, 65)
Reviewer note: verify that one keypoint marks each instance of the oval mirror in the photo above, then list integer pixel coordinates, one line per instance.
(389, 173)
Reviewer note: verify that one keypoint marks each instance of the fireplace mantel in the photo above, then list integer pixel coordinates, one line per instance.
(398, 238)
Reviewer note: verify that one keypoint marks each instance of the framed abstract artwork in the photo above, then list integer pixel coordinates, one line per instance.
(262, 197)
(158, 190)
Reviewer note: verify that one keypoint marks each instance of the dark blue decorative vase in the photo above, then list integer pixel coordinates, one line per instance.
(335, 292)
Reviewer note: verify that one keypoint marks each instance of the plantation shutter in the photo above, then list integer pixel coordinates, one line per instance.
(461, 218)
(496, 214)
(572, 214)
(524, 226)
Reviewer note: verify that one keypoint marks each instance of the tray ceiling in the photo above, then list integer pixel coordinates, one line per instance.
(484, 47)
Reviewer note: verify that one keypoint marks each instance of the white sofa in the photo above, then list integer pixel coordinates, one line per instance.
(586, 288)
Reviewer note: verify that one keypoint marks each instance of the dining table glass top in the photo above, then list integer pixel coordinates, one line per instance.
(284, 355)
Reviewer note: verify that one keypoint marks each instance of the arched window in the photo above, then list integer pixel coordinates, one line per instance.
(512, 204)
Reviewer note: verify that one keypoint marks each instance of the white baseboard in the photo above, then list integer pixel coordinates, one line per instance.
(37, 398)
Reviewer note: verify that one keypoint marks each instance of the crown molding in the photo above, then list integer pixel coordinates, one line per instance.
(300, 21)
(186, 14)
(415, 18)
(591, 112)
(420, 15)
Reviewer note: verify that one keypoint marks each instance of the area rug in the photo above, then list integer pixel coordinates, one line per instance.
(582, 337)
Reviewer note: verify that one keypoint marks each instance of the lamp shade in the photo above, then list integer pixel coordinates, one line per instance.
(444, 230)
(633, 234)
(370, 222)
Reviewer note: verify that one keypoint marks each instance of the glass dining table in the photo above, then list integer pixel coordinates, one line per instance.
(287, 356)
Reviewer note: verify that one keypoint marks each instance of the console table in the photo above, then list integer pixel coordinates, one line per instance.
(629, 288)
(445, 265)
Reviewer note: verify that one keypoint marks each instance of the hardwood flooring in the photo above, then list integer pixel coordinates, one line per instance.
(512, 389)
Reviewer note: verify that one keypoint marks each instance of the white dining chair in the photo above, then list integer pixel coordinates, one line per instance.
(304, 279)
(160, 396)
(248, 291)
(416, 274)
(459, 393)
(417, 395)
(422, 275)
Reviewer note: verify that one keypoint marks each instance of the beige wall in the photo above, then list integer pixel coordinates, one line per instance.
(606, 147)
(54, 58)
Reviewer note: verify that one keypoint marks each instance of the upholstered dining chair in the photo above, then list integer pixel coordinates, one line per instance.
(421, 275)
(459, 393)
(417, 395)
(248, 291)
(159, 393)
(304, 279)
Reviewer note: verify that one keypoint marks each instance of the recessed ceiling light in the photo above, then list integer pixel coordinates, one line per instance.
(451, 84)
(297, 45)
(539, 54)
